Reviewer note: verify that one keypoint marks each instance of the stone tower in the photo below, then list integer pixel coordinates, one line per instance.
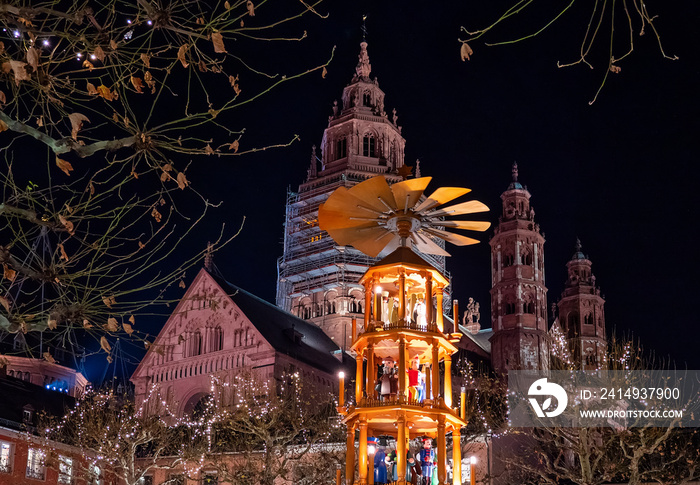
(317, 279)
(581, 314)
(518, 293)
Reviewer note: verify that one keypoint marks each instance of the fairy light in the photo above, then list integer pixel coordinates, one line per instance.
(16, 34)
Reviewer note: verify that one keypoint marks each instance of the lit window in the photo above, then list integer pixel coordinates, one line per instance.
(65, 469)
(95, 475)
(35, 464)
(5, 457)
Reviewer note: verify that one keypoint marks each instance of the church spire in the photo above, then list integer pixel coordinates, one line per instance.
(364, 68)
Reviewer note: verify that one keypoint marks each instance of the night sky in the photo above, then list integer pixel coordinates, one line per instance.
(621, 174)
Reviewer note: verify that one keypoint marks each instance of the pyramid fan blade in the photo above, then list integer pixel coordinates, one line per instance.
(347, 235)
(468, 225)
(407, 193)
(469, 207)
(341, 210)
(391, 247)
(456, 239)
(441, 196)
(371, 190)
(372, 241)
(426, 245)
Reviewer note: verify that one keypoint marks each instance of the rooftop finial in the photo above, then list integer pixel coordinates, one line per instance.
(514, 171)
(363, 66)
(418, 175)
(209, 257)
(578, 245)
(364, 28)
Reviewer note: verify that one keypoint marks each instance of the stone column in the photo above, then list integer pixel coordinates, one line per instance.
(350, 456)
(362, 458)
(448, 381)
(442, 447)
(456, 457)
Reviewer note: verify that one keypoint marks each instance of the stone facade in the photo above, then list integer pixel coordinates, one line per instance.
(518, 294)
(318, 280)
(218, 330)
(581, 314)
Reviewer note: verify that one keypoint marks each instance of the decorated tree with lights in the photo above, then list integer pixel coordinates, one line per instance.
(103, 107)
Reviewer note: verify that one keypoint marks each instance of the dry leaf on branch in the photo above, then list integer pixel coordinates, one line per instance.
(208, 150)
(233, 146)
(52, 324)
(181, 55)
(227, 5)
(6, 303)
(466, 51)
(3, 126)
(615, 69)
(112, 324)
(48, 358)
(156, 215)
(19, 69)
(76, 123)
(251, 8)
(113, 44)
(99, 53)
(63, 165)
(147, 344)
(324, 72)
(105, 345)
(141, 245)
(106, 93)
(137, 82)
(109, 301)
(86, 324)
(62, 249)
(150, 81)
(218, 41)
(132, 320)
(8, 272)
(70, 227)
(3, 98)
(128, 328)
(164, 176)
(33, 58)
(91, 89)
(88, 65)
(182, 284)
(146, 59)
(182, 181)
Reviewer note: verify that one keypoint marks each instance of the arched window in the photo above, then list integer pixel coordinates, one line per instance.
(218, 339)
(341, 148)
(368, 146)
(588, 319)
(366, 99)
(510, 308)
(526, 258)
(508, 260)
(196, 343)
(529, 307)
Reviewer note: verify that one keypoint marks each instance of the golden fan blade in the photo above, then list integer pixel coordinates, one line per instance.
(391, 247)
(441, 196)
(456, 239)
(469, 207)
(407, 193)
(372, 241)
(427, 246)
(371, 190)
(468, 225)
(342, 209)
(347, 235)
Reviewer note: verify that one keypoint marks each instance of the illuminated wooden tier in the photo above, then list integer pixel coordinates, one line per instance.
(395, 287)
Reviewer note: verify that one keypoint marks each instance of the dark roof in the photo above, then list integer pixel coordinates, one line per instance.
(481, 338)
(405, 255)
(287, 333)
(18, 395)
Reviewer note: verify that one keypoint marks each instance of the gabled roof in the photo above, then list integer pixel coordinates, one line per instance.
(310, 345)
(481, 338)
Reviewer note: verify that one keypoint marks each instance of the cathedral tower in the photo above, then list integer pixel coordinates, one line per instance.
(518, 293)
(318, 280)
(581, 314)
